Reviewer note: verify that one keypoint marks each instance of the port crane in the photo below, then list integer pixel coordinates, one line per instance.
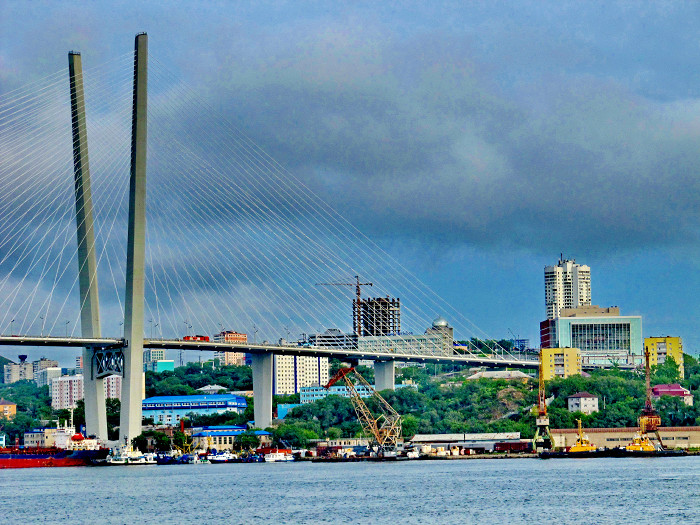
(356, 302)
(385, 430)
(543, 439)
(649, 420)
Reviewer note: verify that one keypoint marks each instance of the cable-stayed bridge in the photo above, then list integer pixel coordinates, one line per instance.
(219, 236)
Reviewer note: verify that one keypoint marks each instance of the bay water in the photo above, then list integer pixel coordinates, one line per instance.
(581, 491)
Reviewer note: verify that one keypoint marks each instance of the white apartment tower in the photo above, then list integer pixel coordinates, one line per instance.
(290, 373)
(566, 285)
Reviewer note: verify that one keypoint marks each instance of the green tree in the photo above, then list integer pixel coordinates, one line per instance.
(297, 435)
(151, 440)
(248, 440)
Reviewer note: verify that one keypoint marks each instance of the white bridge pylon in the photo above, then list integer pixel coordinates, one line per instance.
(248, 197)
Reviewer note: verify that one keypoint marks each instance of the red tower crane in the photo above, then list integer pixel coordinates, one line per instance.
(385, 429)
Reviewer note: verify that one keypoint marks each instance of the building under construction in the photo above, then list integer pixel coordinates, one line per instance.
(376, 316)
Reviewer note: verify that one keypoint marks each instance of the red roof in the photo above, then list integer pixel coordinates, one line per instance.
(5, 402)
(670, 390)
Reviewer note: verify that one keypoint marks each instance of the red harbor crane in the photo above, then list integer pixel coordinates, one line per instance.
(543, 439)
(385, 429)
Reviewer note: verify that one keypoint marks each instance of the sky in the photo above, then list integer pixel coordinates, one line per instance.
(473, 141)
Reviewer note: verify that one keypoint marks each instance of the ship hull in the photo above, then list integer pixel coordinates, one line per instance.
(613, 453)
(47, 457)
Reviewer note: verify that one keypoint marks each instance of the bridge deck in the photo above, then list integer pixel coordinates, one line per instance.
(313, 351)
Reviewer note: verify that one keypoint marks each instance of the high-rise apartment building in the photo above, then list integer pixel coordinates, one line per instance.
(227, 358)
(290, 373)
(661, 348)
(566, 285)
(66, 391)
(14, 372)
(43, 363)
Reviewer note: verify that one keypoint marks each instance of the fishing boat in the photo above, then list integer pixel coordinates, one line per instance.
(275, 457)
(223, 457)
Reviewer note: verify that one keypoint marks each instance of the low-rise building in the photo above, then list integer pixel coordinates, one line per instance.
(583, 402)
(499, 374)
(310, 394)
(224, 438)
(8, 409)
(661, 348)
(284, 408)
(673, 437)
(480, 442)
(560, 362)
(160, 365)
(674, 390)
(169, 410)
(211, 389)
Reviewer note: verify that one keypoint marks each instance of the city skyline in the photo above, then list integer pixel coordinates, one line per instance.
(491, 159)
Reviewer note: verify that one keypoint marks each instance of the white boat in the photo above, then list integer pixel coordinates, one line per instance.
(273, 457)
(222, 457)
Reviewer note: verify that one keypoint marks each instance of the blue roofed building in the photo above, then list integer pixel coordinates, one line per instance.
(224, 437)
(169, 410)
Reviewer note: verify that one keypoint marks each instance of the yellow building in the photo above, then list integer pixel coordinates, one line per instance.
(660, 348)
(560, 362)
(8, 409)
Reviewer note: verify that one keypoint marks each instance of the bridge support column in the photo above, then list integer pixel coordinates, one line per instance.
(384, 375)
(262, 389)
(95, 407)
(132, 384)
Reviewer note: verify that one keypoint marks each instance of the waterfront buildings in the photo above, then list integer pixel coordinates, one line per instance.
(478, 442)
(14, 372)
(560, 362)
(674, 390)
(66, 391)
(661, 348)
(566, 285)
(603, 336)
(230, 358)
(168, 410)
(8, 409)
(291, 373)
(673, 437)
(224, 437)
(582, 402)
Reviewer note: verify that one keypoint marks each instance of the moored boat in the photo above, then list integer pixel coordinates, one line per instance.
(26, 457)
